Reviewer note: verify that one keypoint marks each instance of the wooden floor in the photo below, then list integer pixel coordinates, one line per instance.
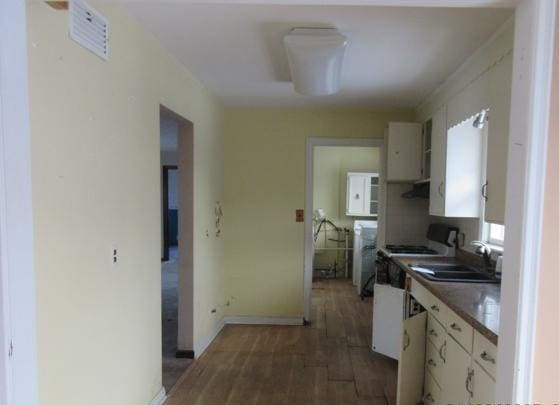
(328, 362)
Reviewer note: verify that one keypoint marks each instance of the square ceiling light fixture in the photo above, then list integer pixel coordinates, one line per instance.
(315, 57)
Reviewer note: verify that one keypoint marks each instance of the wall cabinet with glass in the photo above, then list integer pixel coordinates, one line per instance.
(362, 196)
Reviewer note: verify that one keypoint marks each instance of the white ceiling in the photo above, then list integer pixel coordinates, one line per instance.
(396, 55)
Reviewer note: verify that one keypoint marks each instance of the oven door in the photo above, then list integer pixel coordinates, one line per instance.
(396, 276)
(382, 263)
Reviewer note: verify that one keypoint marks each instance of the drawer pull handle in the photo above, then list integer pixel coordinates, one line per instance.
(432, 363)
(487, 357)
(433, 333)
(407, 340)
(456, 327)
(429, 397)
(435, 308)
(441, 349)
(469, 381)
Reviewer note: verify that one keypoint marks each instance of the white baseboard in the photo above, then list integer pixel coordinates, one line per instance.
(203, 345)
(264, 320)
(159, 398)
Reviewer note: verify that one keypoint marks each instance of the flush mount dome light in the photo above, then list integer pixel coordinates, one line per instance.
(315, 58)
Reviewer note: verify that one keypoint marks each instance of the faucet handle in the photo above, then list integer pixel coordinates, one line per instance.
(483, 248)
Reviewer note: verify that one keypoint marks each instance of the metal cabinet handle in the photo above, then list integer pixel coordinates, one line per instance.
(433, 333)
(456, 327)
(469, 381)
(484, 191)
(432, 363)
(435, 308)
(443, 346)
(407, 340)
(357, 196)
(485, 356)
(441, 189)
(428, 397)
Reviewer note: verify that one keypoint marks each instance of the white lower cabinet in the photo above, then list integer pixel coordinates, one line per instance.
(412, 360)
(442, 360)
(456, 372)
(481, 386)
(431, 391)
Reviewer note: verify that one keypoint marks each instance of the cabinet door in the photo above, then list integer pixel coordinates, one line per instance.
(455, 377)
(388, 312)
(404, 152)
(500, 79)
(438, 158)
(411, 367)
(481, 385)
(357, 194)
(463, 180)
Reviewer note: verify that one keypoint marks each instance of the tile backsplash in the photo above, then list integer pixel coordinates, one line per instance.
(406, 219)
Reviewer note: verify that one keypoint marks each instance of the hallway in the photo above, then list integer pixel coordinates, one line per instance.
(328, 362)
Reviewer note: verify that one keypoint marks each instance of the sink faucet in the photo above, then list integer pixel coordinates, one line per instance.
(484, 250)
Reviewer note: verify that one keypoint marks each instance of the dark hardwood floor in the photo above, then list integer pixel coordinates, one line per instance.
(327, 362)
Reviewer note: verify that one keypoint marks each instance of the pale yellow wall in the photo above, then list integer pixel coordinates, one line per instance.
(546, 373)
(331, 165)
(95, 151)
(264, 164)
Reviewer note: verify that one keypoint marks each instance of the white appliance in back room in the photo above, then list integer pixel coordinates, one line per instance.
(364, 252)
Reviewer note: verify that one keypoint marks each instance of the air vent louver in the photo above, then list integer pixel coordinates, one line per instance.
(89, 28)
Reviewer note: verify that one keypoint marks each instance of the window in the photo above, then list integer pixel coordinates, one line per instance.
(496, 234)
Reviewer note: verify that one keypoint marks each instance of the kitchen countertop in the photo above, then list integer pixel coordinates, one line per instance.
(479, 304)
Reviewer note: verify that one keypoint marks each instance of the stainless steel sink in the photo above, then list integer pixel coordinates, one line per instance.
(452, 273)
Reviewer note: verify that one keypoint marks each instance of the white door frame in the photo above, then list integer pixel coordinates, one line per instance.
(527, 151)
(18, 362)
(312, 142)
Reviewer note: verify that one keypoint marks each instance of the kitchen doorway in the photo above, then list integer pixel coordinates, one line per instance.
(329, 228)
(176, 148)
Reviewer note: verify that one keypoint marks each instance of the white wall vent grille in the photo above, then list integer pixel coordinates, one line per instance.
(89, 28)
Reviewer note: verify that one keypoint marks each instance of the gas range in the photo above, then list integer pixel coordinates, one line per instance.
(408, 250)
(441, 241)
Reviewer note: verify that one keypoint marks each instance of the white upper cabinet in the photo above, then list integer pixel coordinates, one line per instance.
(404, 142)
(438, 162)
(362, 196)
(500, 82)
(457, 150)
(456, 168)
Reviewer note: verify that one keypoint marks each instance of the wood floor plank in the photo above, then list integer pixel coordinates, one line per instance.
(328, 362)
(339, 362)
(335, 327)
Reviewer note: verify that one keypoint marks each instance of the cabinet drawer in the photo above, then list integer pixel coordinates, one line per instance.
(485, 353)
(433, 362)
(481, 386)
(432, 392)
(420, 293)
(437, 308)
(429, 301)
(461, 331)
(435, 331)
